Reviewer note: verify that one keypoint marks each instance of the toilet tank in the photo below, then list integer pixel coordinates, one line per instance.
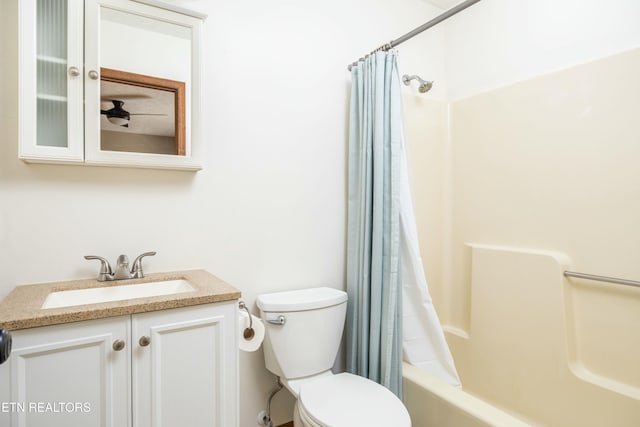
(308, 341)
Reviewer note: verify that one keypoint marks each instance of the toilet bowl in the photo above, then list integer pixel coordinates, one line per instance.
(347, 400)
(303, 333)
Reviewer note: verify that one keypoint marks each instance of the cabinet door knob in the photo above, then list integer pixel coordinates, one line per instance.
(144, 341)
(93, 75)
(118, 345)
(74, 71)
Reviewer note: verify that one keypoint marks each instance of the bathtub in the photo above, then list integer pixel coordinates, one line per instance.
(434, 403)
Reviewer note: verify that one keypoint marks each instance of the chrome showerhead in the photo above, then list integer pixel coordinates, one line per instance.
(424, 87)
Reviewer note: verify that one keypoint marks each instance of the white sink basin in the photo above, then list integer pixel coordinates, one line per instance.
(116, 293)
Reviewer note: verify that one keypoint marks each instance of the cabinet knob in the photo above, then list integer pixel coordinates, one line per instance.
(118, 345)
(74, 71)
(144, 341)
(93, 75)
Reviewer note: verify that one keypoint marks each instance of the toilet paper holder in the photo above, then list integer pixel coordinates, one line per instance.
(248, 333)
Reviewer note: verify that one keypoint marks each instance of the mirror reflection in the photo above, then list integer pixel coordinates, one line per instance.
(144, 84)
(143, 114)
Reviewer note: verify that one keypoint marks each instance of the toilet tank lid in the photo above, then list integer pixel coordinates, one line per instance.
(299, 300)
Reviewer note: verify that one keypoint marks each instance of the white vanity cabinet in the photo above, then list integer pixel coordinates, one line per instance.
(65, 109)
(187, 375)
(71, 364)
(175, 367)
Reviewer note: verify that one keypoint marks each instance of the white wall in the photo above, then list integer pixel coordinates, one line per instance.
(268, 210)
(498, 42)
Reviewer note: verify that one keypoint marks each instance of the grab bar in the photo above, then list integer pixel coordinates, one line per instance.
(602, 278)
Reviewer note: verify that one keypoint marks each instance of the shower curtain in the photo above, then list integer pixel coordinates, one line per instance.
(389, 310)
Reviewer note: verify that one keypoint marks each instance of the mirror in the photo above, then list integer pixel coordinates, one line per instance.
(143, 114)
(146, 105)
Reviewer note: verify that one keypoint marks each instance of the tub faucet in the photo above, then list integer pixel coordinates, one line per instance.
(122, 267)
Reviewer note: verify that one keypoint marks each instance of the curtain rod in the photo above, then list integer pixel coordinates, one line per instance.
(438, 19)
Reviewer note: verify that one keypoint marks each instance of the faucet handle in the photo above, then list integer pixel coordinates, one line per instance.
(105, 267)
(136, 270)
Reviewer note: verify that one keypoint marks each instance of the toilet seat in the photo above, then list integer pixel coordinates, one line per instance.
(303, 417)
(347, 400)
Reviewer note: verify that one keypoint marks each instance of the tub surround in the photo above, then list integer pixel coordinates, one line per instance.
(542, 166)
(21, 309)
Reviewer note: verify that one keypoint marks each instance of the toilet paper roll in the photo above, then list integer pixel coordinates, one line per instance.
(253, 343)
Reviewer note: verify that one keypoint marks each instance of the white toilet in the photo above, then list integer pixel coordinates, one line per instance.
(303, 334)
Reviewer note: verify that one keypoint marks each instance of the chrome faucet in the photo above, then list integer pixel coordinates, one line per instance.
(122, 267)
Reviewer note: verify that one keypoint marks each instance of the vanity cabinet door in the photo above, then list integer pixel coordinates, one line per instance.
(51, 80)
(185, 367)
(68, 375)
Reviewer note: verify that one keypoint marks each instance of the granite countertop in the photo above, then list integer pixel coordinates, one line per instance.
(21, 309)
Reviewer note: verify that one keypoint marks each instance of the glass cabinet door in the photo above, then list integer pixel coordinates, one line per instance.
(51, 106)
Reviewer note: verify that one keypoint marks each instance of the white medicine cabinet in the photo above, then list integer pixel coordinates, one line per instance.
(109, 82)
